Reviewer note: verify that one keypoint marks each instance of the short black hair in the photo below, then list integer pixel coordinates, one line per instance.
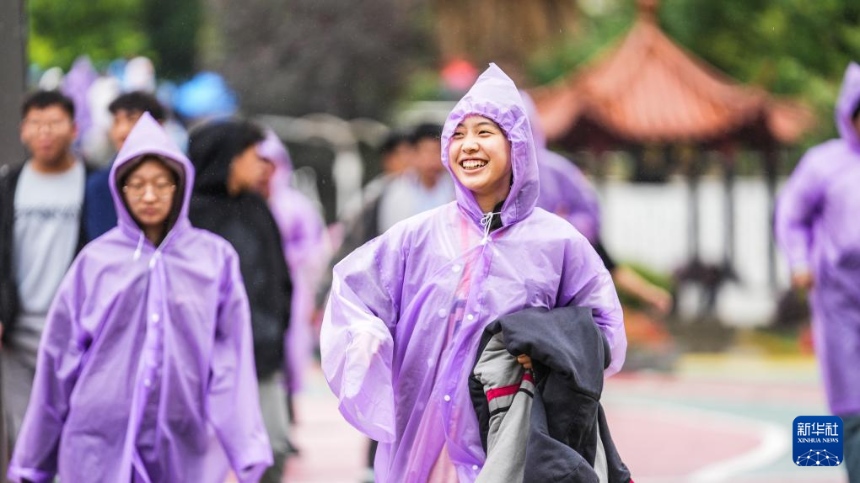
(41, 99)
(426, 130)
(393, 140)
(139, 101)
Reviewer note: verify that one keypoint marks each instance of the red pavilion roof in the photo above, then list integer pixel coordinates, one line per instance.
(650, 90)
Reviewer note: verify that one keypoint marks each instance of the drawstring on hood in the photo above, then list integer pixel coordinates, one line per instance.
(139, 246)
(495, 97)
(487, 222)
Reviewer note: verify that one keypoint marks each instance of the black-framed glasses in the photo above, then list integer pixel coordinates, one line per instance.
(137, 191)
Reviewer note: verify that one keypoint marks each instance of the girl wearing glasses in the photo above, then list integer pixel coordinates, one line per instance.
(147, 344)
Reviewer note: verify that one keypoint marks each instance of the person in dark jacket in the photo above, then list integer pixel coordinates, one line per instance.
(226, 201)
(40, 232)
(100, 214)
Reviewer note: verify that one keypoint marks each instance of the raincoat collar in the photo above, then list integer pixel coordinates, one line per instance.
(849, 97)
(495, 97)
(149, 138)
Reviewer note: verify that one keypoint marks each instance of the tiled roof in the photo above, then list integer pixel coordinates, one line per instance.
(650, 90)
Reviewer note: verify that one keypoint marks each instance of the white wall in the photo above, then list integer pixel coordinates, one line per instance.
(648, 224)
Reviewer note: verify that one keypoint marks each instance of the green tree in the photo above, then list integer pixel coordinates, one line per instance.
(172, 28)
(59, 32)
(165, 31)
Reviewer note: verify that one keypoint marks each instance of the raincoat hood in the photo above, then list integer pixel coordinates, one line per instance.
(849, 97)
(274, 150)
(531, 111)
(148, 137)
(564, 190)
(212, 149)
(495, 97)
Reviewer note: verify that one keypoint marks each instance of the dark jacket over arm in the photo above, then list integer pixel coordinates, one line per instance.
(567, 423)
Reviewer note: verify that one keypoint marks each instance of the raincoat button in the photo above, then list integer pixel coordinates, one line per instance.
(441, 312)
(456, 268)
(447, 398)
(154, 317)
(470, 317)
(475, 467)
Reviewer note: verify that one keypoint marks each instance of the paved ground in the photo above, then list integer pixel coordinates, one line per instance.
(716, 418)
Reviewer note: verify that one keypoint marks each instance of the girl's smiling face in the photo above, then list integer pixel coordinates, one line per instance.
(480, 157)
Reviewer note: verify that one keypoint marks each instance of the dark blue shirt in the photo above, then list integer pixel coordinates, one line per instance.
(99, 211)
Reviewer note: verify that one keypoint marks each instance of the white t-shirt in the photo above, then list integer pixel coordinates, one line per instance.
(47, 226)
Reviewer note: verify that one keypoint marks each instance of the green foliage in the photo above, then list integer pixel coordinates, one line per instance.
(172, 27)
(597, 35)
(793, 48)
(163, 30)
(60, 31)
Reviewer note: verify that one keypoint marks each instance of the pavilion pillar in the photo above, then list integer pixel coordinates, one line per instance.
(693, 222)
(729, 154)
(771, 169)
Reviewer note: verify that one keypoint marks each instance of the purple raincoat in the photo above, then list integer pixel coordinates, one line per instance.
(306, 247)
(407, 309)
(817, 228)
(146, 348)
(76, 85)
(564, 190)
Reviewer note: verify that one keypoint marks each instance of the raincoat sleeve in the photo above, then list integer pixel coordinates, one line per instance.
(63, 346)
(801, 199)
(233, 401)
(356, 339)
(587, 283)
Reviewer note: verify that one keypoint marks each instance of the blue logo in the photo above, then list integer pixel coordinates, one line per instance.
(818, 440)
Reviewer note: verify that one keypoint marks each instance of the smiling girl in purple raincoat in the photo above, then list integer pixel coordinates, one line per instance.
(407, 309)
(147, 344)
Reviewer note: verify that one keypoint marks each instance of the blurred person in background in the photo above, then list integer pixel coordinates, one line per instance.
(407, 309)
(99, 212)
(412, 182)
(565, 191)
(397, 155)
(231, 174)
(420, 187)
(306, 246)
(415, 181)
(41, 230)
(362, 223)
(147, 344)
(817, 229)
